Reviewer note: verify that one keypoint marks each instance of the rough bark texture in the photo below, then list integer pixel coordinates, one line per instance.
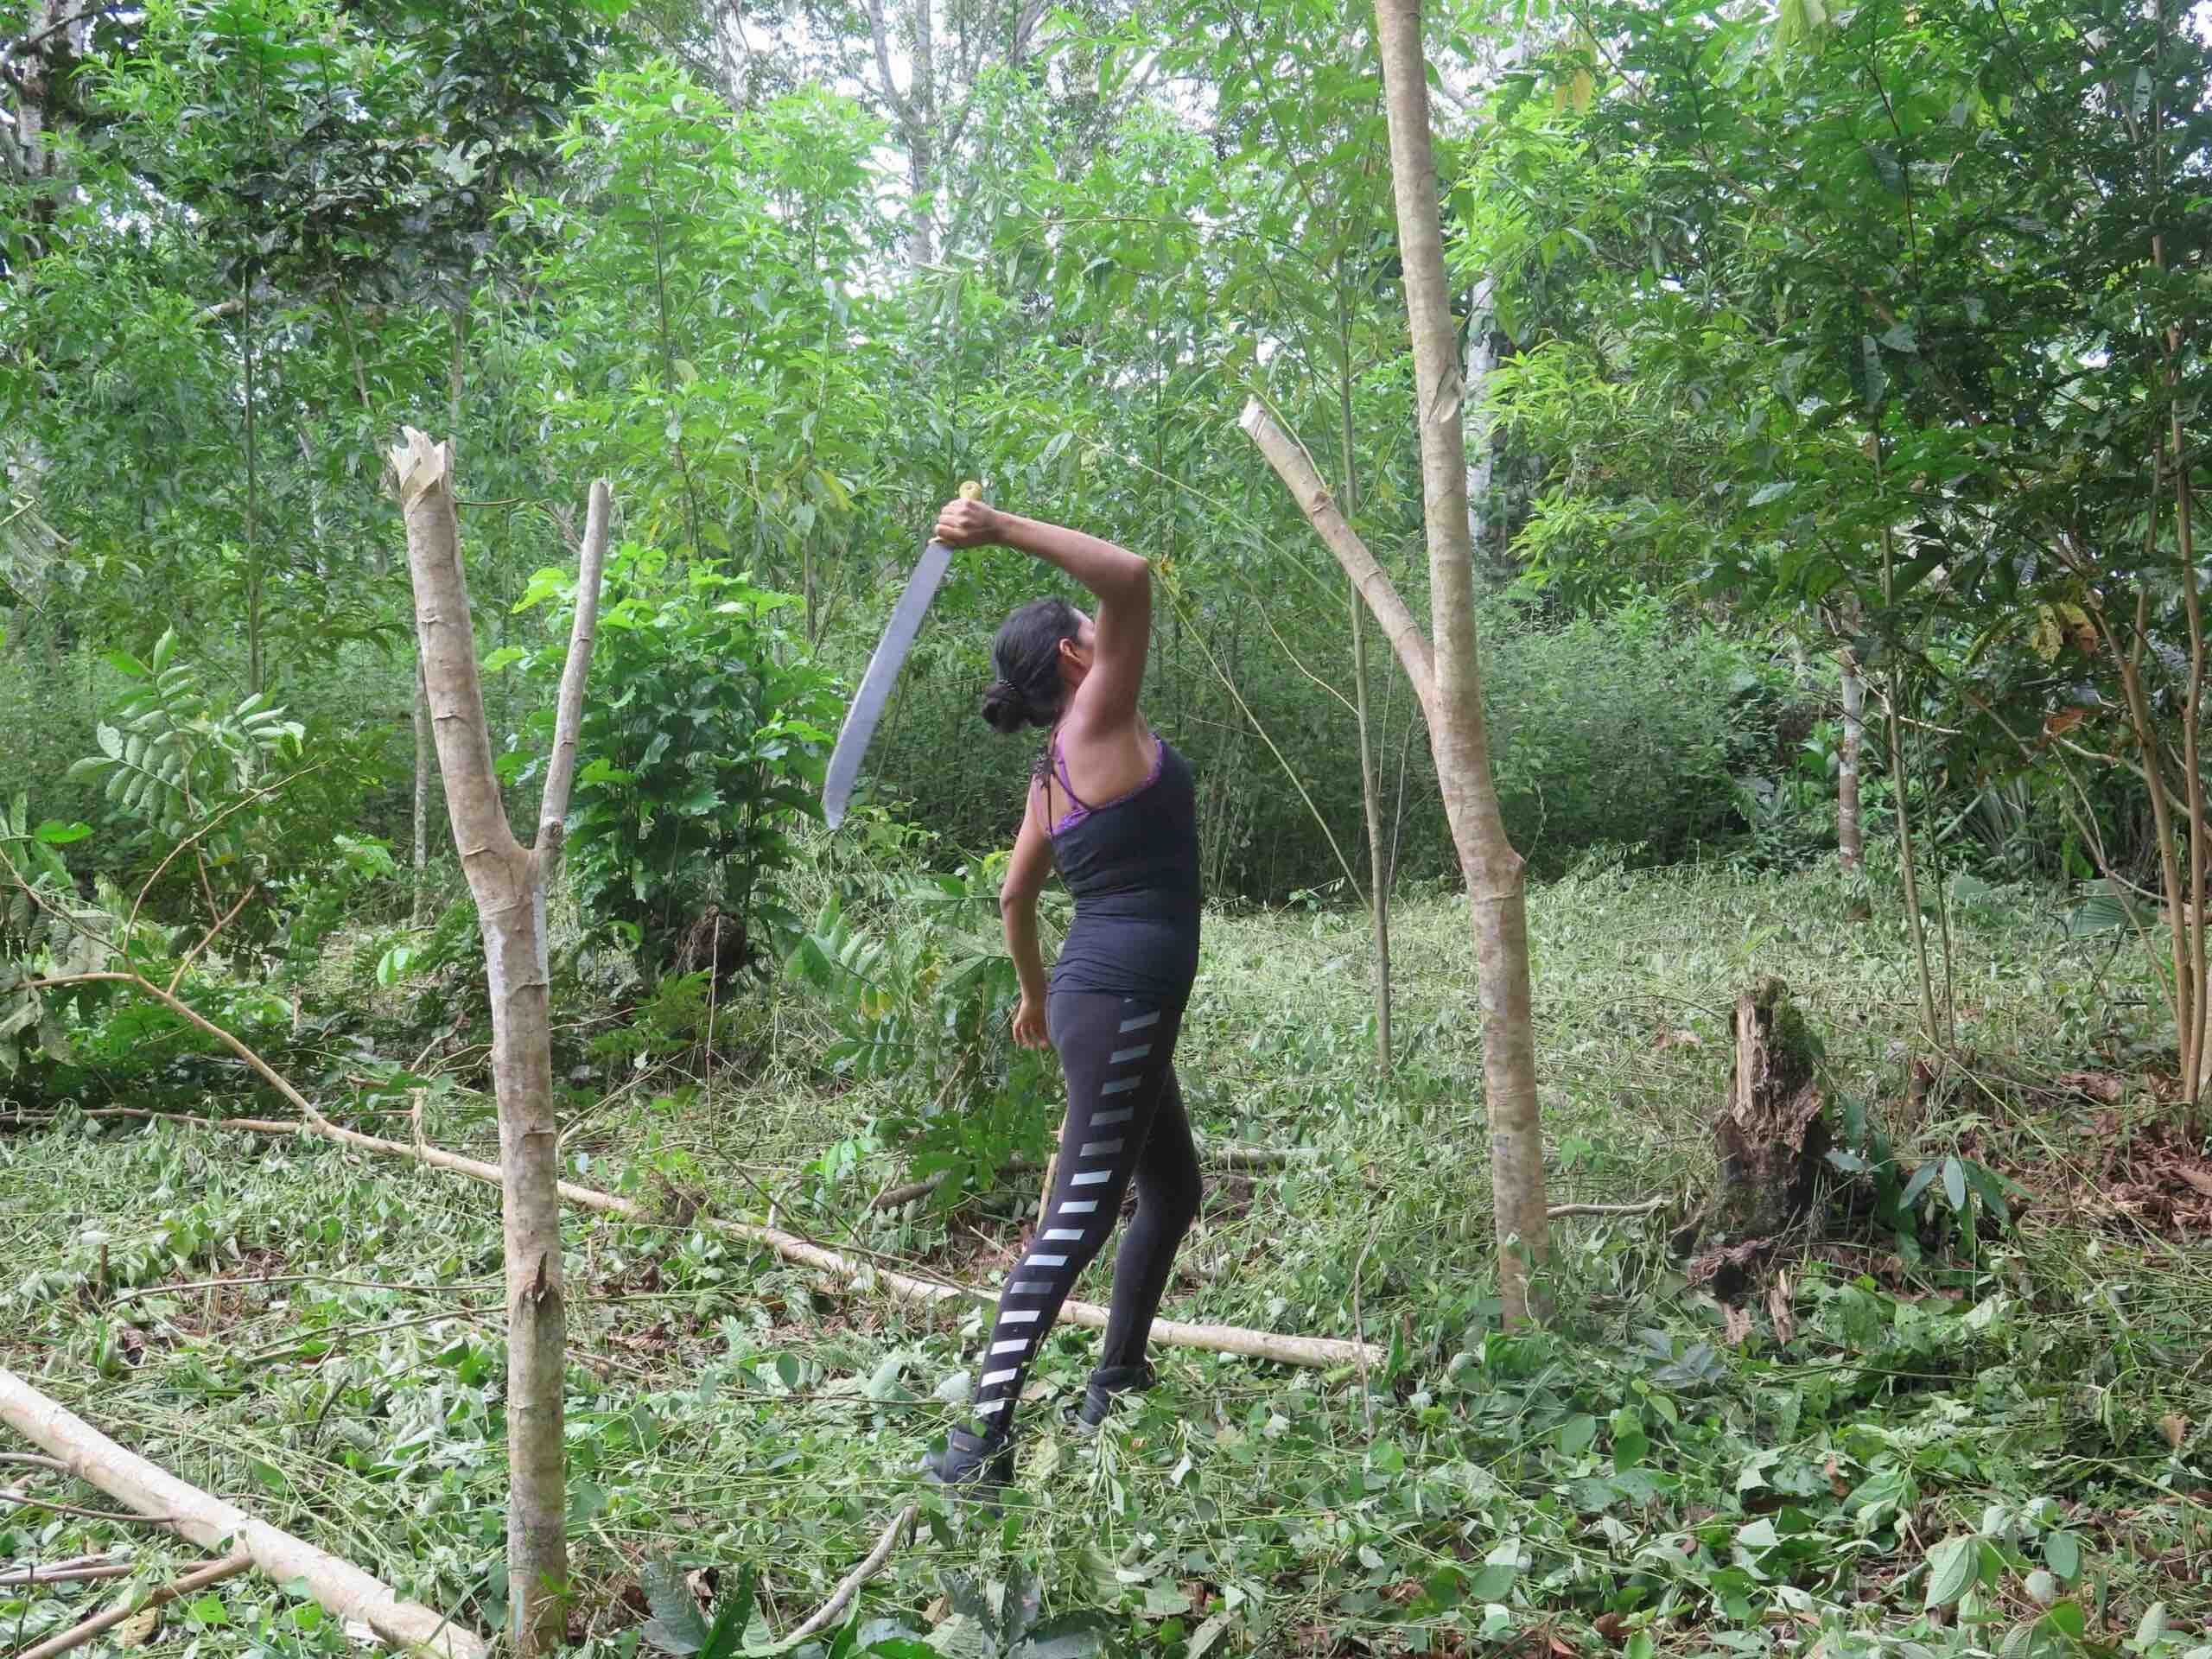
(509, 887)
(1850, 841)
(342, 1589)
(1494, 889)
(1772, 1135)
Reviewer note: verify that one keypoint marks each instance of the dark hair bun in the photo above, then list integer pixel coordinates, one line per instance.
(1007, 710)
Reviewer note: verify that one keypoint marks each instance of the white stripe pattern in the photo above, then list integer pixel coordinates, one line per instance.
(1063, 1235)
(1099, 1148)
(1045, 1262)
(1028, 1287)
(998, 1348)
(1078, 1206)
(1020, 1316)
(1122, 1054)
(991, 1378)
(990, 1405)
(1092, 1177)
(1119, 1086)
(1107, 1119)
(1142, 1021)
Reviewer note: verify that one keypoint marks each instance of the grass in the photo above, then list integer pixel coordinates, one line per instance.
(1629, 1477)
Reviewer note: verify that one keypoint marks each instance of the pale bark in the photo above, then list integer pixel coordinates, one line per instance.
(1495, 894)
(508, 883)
(1295, 469)
(340, 1587)
(1850, 840)
(1482, 461)
(426, 759)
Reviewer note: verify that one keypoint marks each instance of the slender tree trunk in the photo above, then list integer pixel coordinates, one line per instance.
(1448, 678)
(1369, 793)
(1495, 893)
(1482, 461)
(1850, 841)
(509, 883)
(1378, 850)
(426, 760)
(254, 680)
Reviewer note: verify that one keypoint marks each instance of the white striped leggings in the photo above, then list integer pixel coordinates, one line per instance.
(1125, 1120)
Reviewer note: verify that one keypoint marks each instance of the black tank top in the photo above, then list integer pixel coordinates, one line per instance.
(1132, 865)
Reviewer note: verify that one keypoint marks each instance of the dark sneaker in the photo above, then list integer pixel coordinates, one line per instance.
(971, 1462)
(1106, 1382)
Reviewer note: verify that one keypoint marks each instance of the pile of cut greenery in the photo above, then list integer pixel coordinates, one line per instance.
(1975, 1417)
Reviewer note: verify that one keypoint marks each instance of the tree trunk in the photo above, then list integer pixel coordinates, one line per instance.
(1370, 784)
(1851, 846)
(1378, 843)
(1495, 891)
(425, 759)
(1482, 461)
(509, 883)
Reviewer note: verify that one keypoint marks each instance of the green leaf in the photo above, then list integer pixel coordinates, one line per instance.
(1952, 1566)
(54, 833)
(1577, 1434)
(1071, 1635)
(2153, 1627)
(110, 740)
(1955, 1183)
(2062, 1553)
(675, 1626)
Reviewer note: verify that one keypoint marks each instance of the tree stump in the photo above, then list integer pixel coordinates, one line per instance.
(1773, 1136)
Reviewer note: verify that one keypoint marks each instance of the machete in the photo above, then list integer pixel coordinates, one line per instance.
(883, 672)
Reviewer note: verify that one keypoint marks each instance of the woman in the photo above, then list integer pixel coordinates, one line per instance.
(1113, 806)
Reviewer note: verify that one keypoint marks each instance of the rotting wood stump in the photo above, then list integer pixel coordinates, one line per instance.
(1773, 1137)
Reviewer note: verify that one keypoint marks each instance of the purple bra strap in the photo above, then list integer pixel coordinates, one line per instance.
(1060, 765)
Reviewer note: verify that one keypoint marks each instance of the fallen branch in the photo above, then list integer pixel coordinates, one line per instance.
(848, 1587)
(191, 1584)
(67, 1572)
(342, 1589)
(1319, 1353)
(1649, 1207)
(32, 1460)
(10, 1494)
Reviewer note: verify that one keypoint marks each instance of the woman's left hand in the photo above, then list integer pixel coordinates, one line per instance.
(1029, 1029)
(969, 523)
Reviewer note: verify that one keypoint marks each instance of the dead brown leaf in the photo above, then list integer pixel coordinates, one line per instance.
(1739, 1322)
(1778, 1310)
(2175, 1428)
(2198, 1176)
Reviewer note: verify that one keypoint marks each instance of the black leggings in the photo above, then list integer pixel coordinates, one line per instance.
(1125, 1118)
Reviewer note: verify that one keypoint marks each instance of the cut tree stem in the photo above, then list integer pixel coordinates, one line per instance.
(340, 1588)
(509, 884)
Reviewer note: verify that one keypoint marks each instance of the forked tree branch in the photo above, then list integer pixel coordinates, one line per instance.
(1295, 469)
(561, 773)
(448, 644)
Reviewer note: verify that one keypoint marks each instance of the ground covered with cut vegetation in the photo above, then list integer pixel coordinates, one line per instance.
(1959, 1426)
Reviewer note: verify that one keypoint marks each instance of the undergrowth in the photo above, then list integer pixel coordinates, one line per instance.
(1972, 1439)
